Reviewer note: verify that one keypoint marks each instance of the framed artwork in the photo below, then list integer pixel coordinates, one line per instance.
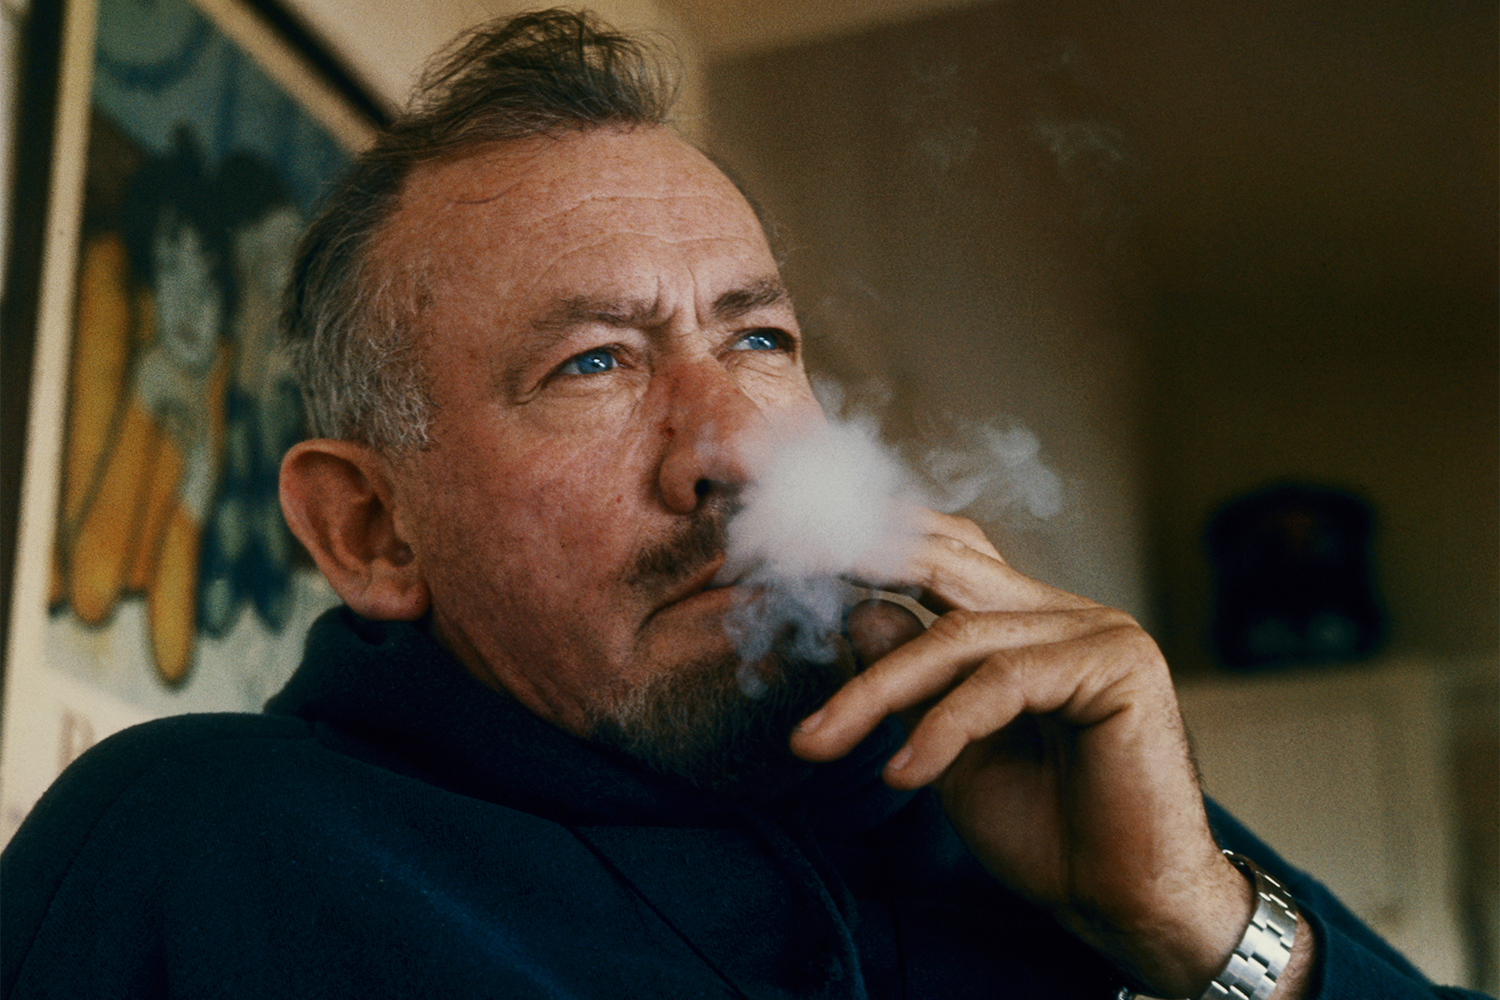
(153, 574)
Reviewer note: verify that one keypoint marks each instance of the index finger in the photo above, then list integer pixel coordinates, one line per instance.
(932, 522)
(949, 573)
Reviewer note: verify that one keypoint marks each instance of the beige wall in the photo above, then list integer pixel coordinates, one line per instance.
(390, 40)
(1198, 250)
(938, 246)
(1323, 295)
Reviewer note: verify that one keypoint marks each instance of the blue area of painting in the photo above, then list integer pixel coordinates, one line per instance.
(155, 76)
(246, 544)
(160, 64)
(184, 93)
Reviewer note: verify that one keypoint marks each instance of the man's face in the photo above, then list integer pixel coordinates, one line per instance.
(604, 334)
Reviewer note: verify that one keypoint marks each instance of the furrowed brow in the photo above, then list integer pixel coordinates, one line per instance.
(583, 310)
(738, 302)
(561, 318)
(571, 312)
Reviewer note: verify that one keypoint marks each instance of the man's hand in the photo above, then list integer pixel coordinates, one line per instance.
(1049, 727)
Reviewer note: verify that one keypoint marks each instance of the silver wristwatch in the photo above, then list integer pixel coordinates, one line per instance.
(1262, 953)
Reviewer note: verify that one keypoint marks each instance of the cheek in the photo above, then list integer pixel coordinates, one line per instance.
(555, 509)
(579, 516)
(783, 395)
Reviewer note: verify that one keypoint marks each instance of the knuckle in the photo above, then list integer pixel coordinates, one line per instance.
(969, 530)
(951, 544)
(957, 721)
(1131, 647)
(936, 572)
(1120, 619)
(1003, 673)
(1108, 622)
(958, 627)
(1133, 638)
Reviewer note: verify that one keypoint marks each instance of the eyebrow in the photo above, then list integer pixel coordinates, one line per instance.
(571, 312)
(737, 302)
(580, 310)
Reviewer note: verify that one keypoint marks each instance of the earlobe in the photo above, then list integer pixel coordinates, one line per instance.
(338, 501)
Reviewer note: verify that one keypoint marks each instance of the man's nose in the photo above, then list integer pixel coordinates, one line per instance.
(710, 430)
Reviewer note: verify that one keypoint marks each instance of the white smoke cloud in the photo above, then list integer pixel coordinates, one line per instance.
(837, 503)
(987, 470)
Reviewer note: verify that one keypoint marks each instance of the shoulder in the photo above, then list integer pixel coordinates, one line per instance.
(159, 767)
(121, 760)
(174, 733)
(104, 774)
(150, 777)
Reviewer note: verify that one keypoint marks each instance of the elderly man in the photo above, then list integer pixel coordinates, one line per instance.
(539, 335)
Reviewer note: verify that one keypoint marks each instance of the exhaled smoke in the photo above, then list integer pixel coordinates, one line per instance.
(987, 471)
(836, 504)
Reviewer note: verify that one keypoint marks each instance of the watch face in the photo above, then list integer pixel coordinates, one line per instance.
(1292, 578)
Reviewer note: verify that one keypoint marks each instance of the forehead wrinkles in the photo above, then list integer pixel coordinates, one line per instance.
(697, 216)
(637, 271)
(496, 196)
(516, 244)
(675, 200)
(475, 240)
(511, 223)
(667, 211)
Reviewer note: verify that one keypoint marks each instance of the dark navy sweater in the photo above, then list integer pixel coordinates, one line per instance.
(392, 828)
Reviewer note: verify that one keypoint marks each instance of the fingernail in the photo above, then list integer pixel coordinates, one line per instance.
(810, 723)
(902, 758)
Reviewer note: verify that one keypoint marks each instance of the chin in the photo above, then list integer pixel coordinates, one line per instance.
(716, 722)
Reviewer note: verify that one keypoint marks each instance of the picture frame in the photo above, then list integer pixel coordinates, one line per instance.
(169, 154)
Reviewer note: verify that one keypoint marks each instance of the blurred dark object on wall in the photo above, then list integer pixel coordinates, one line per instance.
(1292, 575)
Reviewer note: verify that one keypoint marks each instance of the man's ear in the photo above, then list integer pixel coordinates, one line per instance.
(338, 501)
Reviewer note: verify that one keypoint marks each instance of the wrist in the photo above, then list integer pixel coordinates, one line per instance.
(1259, 961)
(1195, 922)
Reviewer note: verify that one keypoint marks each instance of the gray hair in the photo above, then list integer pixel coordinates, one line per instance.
(350, 322)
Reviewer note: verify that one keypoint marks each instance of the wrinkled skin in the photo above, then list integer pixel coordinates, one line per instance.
(606, 340)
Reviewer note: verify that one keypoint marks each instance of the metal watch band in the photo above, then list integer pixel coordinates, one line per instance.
(1262, 953)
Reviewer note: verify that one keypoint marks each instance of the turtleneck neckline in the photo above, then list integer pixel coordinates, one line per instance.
(388, 692)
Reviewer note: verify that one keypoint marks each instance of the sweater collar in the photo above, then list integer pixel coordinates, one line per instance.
(388, 693)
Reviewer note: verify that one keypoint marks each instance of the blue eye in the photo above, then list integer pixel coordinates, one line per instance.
(589, 363)
(759, 340)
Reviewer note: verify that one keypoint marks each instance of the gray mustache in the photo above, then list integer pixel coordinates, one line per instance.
(686, 553)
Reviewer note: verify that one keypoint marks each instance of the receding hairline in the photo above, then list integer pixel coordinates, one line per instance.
(408, 271)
